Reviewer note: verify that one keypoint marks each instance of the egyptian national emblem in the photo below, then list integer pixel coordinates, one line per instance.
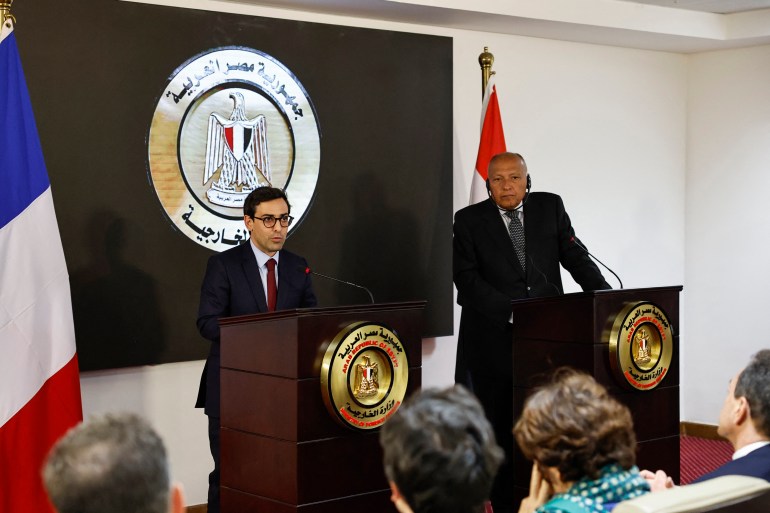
(364, 375)
(641, 344)
(642, 341)
(228, 121)
(237, 149)
(366, 378)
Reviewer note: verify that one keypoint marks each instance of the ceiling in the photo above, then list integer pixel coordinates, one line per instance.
(683, 26)
(712, 6)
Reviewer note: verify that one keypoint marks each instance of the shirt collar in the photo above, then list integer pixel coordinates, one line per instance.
(262, 258)
(746, 449)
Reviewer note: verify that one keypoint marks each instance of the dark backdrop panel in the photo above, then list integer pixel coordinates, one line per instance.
(382, 212)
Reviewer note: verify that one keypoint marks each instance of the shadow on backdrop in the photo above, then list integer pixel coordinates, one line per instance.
(115, 304)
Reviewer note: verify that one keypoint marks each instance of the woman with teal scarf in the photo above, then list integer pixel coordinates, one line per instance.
(582, 444)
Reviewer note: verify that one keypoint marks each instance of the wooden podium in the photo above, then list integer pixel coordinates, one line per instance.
(573, 330)
(281, 450)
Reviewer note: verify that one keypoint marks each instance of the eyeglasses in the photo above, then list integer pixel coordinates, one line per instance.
(269, 221)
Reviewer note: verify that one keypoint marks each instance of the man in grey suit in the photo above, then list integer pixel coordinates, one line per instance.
(508, 247)
(258, 276)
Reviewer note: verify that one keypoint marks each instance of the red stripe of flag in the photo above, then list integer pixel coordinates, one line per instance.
(491, 142)
(29, 435)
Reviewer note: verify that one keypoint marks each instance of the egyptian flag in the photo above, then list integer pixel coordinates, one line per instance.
(492, 141)
(39, 384)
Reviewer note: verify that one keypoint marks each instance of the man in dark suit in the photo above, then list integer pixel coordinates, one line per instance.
(508, 247)
(744, 421)
(258, 276)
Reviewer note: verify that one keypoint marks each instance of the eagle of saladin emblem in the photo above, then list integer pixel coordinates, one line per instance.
(364, 375)
(237, 149)
(366, 381)
(228, 121)
(641, 343)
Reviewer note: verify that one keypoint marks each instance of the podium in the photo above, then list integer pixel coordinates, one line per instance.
(281, 450)
(573, 330)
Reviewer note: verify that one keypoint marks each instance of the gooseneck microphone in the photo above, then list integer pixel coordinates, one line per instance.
(578, 244)
(308, 270)
(536, 268)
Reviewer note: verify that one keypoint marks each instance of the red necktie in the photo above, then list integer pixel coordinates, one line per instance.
(272, 289)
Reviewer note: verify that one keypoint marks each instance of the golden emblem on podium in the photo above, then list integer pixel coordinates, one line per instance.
(641, 344)
(366, 378)
(364, 374)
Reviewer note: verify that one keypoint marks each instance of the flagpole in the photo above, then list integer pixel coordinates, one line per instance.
(486, 60)
(5, 11)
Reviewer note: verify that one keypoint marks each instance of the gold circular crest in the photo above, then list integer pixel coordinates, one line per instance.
(641, 345)
(231, 120)
(364, 375)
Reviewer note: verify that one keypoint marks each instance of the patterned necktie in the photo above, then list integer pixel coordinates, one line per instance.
(272, 288)
(516, 232)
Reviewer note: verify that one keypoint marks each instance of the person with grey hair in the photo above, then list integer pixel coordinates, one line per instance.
(440, 453)
(744, 421)
(113, 463)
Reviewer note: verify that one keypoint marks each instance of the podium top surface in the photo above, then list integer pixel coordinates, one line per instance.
(640, 292)
(333, 310)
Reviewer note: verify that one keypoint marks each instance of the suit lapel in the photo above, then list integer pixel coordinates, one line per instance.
(251, 270)
(495, 227)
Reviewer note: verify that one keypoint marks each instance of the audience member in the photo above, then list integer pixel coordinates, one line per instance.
(582, 443)
(744, 421)
(114, 463)
(440, 453)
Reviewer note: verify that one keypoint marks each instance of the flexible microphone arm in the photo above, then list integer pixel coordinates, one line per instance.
(578, 244)
(308, 270)
(536, 268)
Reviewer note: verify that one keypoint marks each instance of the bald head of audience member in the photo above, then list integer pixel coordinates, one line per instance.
(113, 463)
(440, 453)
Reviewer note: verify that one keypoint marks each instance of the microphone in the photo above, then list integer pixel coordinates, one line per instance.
(308, 270)
(577, 243)
(536, 268)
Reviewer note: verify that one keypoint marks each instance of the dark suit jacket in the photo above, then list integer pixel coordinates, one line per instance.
(754, 464)
(488, 274)
(232, 286)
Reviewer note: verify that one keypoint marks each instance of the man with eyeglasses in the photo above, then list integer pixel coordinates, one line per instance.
(258, 276)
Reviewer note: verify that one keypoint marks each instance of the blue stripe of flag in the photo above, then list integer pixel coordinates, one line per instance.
(22, 169)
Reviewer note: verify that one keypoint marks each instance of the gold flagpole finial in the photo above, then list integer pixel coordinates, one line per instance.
(5, 11)
(486, 60)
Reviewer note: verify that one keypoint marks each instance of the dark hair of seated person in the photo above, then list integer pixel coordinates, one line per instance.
(574, 425)
(440, 451)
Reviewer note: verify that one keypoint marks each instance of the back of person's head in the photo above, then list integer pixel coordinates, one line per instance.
(574, 425)
(754, 384)
(440, 452)
(115, 463)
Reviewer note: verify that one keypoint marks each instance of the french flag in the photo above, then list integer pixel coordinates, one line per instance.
(491, 143)
(39, 382)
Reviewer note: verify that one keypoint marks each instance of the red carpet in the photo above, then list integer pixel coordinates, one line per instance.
(699, 456)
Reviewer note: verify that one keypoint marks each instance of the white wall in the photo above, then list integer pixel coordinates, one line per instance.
(604, 127)
(728, 222)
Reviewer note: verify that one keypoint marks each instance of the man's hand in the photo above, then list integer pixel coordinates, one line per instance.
(540, 491)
